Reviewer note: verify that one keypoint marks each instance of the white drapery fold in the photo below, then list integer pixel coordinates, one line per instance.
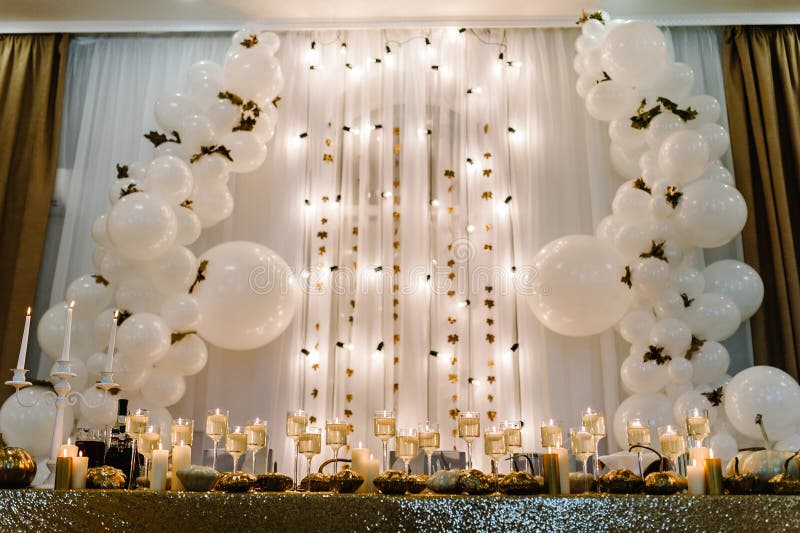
(383, 179)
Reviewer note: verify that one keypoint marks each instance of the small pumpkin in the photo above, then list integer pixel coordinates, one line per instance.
(739, 482)
(444, 482)
(392, 482)
(17, 467)
(235, 482)
(664, 483)
(197, 478)
(621, 481)
(315, 482)
(106, 477)
(521, 483)
(476, 482)
(347, 481)
(785, 482)
(416, 483)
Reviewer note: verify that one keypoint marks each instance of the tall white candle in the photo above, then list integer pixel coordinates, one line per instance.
(80, 467)
(359, 459)
(67, 334)
(563, 468)
(181, 458)
(158, 476)
(23, 348)
(112, 340)
(695, 475)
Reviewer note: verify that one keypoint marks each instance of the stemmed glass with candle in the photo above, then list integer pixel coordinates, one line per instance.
(494, 445)
(595, 423)
(638, 435)
(148, 440)
(385, 425)
(310, 444)
(256, 429)
(469, 429)
(135, 422)
(407, 442)
(582, 447)
(336, 437)
(512, 436)
(182, 432)
(236, 444)
(698, 427)
(672, 442)
(429, 440)
(216, 428)
(296, 422)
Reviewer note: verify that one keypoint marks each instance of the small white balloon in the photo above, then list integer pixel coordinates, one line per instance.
(710, 213)
(224, 116)
(204, 80)
(163, 388)
(737, 280)
(90, 293)
(650, 276)
(593, 28)
(623, 134)
(632, 239)
(197, 131)
(631, 204)
(145, 336)
(713, 317)
(717, 138)
(669, 305)
(247, 151)
(175, 271)
(181, 312)
(170, 178)
(96, 364)
(724, 445)
(707, 107)
(116, 268)
(626, 162)
(642, 377)
(212, 169)
(607, 229)
(118, 188)
(188, 226)
(683, 155)
(172, 108)
(673, 335)
(716, 171)
(710, 363)
(186, 357)
(142, 226)
(251, 74)
(99, 233)
(635, 326)
(675, 81)
(610, 100)
(661, 127)
(680, 371)
(688, 280)
(130, 374)
(692, 400)
(212, 204)
(138, 295)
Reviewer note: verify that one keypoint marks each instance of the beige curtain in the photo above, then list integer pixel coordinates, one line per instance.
(31, 83)
(762, 87)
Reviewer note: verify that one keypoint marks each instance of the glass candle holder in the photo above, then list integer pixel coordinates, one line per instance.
(638, 432)
(385, 426)
(236, 444)
(595, 423)
(256, 429)
(552, 433)
(182, 432)
(494, 445)
(336, 437)
(407, 442)
(469, 429)
(672, 442)
(582, 447)
(429, 441)
(296, 422)
(216, 428)
(698, 427)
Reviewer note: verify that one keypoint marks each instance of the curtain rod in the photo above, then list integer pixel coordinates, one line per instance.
(304, 24)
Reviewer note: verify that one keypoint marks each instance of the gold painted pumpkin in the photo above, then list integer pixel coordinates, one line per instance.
(106, 477)
(17, 467)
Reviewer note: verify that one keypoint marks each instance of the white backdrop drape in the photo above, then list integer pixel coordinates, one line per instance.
(485, 162)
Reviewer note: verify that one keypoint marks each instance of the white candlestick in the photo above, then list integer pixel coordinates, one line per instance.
(23, 348)
(563, 468)
(67, 334)
(181, 458)
(112, 339)
(80, 466)
(158, 476)
(695, 475)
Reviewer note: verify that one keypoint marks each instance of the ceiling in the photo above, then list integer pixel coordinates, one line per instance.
(208, 15)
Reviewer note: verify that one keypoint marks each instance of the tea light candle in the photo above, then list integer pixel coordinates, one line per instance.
(552, 482)
(112, 340)
(67, 334)
(23, 347)
(158, 475)
(63, 472)
(713, 474)
(80, 466)
(696, 478)
(68, 449)
(563, 469)
(181, 458)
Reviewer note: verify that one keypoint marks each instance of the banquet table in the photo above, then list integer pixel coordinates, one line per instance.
(114, 510)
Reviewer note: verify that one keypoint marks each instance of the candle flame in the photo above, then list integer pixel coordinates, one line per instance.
(182, 444)
(359, 444)
(371, 457)
(116, 315)
(694, 462)
(69, 441)
(710, 453)
(72, 304)
(29, 311)
(80, 453)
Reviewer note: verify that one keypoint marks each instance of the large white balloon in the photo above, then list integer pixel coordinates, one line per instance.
(51, 328)
(737, 280)
(669, 305)
(163, 388)
(223, 115)
(248, 297)
(710, 363)
(578, 290)
(634, 53)
(204, 79)
(654, 408)
(105, 412)
(630, 204)
(610, 100)
(186, 357)
(212, 204)
(212, 169)
(247, 150)
(144, 336)
(142, 226)
(170, 178)
(635, 326)
(251, 74)
(767, 391)
(172, 108)
(114, 267)
(181, 312)
(707, 107)
(90, 294)
(175, 271)
(138, 295)
(661, 127)
(710, 213)
(623, 134)
(32, 427)
(675, 81)
(642, 377)
(197, 131)
(713, 316)
(683, 156)
(679, 371)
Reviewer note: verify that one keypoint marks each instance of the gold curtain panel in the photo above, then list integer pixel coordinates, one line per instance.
(42, 511)
(762, 86)
(31, 85)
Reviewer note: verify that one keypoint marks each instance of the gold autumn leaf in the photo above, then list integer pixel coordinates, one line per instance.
(451, 293)
(321, 250)
(395, 316)
(488, 303)
(489, 338)
(454, 413)
(452, 338)
(325, 199)
(452, 319)
(486, 195)
(349, 372)
(315, 366)
(328, 158)
(453, 432)
(454, 398)
(488, 289)
(490, 397)
(490, 363)
(396, 359)
(451, 262)
(396, 148)
(328, 142)
(396, 215)
(348, 397)
(314, 393)
(396, 338)
(490, 379)
(396, 387)
(491, 415)
(350, 319)
(453, 378)
(490, 321)
(451, 275)
(322, 234)
(454, 360)
(487, 247)
(396, 269)
(312, 419)
(487, 172)
(396, 245)
(449, 173)
(348, 413)
(487, 227)
(486, 128)
(324, 221)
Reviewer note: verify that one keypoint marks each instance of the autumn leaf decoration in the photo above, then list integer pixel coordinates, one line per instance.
(673, 196)
(694, 347)
(656, 250)
(122, 171)
(686, 300)
(178, 336)
(586, 17)
(210, 150)
(640, 184)
(656, 353)
(715, 396)
(158, 138)
(99, 279)
(250, 42)
(626, 278)
(644, 116)
(201, 274)
(130, 189)
(187, 204)
(235, 99)
(248, 117)
(124, 315)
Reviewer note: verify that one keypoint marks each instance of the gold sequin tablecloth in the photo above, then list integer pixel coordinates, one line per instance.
(42, 510)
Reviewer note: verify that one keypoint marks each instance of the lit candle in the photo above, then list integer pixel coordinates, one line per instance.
(713, 474)
(158, 475)
(552, 483)
(563, 468)
(67, 334)
(63, 471)
(358, 463)
(181, 458)
(112, 340)
(695, 475)
(68, 449)
(699, 454)
(23, 348)
(370, 473)
(80, 466)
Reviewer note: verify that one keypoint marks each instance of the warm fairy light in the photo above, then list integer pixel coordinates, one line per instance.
(475, 90)
(72, 304)
(348, 346)
(355, 131)
(387, 194)
(355, 72)
(313, 357)
(711, 453)
(470, 228)
(462, 304)
(474, 381)
(343, 49)
(434, 203)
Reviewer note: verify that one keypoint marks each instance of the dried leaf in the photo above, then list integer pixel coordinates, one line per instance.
(626, 278)
(178, 336)
(250, 42)
(348, 397)
(491, 415)
(187, 204)
(210, 150)
(99, 279)
(715, 396)
(453, 378)
(487, 172)
(586, 17)
(232, 98)
(122, 171)
(158, 138)
(488, 303)
(686, 300)
(486, 195)
(348, 413)
(449, 173)
(656, 353)
(489, 338)
(314, 393)
(452, 319)
(694, 347)
(349, 372)
(201, 270)
(454, 413)
(123, 316)
(328, 158)
(322, 234)
(640, 184)
(130, 189)
(673, 196)
(490, 379)
(656, 250)
(452, 338)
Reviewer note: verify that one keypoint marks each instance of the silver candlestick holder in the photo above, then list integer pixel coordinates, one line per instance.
(61, 396)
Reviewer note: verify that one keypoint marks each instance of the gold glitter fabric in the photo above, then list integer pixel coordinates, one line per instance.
(115, 510)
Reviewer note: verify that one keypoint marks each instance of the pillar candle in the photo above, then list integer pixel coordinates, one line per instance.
(695, 475)
(181, 458)
(372, 469)
(699, 454)
(563, 468)
(68, 450)
(63, 472)
(713, 475)
(23, 347)
(67, 334)
(359, 459)
(158, 474)
(112, 340)
(552, 483)
(80, 466)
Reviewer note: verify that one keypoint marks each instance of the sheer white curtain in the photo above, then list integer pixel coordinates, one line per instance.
(438, 161)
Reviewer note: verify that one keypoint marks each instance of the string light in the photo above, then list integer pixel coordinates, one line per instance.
(474, 381)
(474, 90)
(343, 49)
(470, 228)
(434, 203)
(463, 304)
(387, 194)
